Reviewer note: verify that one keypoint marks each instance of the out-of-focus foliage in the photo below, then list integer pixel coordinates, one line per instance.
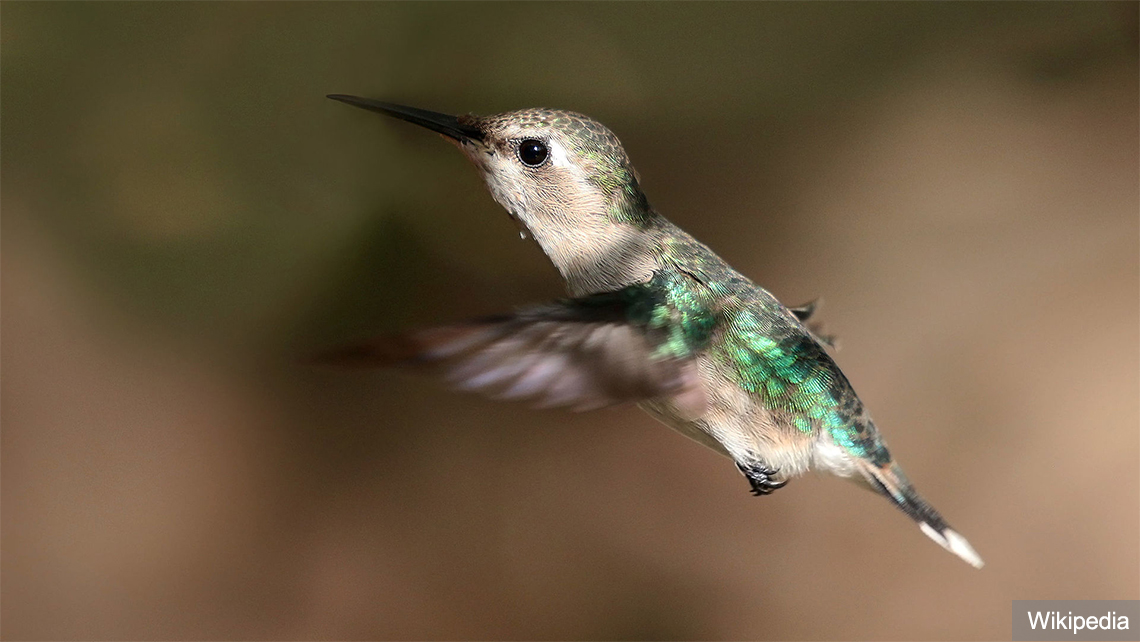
(185, 217)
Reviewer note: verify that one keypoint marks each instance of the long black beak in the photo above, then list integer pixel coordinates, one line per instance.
(442, 123)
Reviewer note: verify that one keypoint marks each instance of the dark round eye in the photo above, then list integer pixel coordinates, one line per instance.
(533, 152)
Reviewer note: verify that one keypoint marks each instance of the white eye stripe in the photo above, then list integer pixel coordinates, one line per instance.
(557, 154)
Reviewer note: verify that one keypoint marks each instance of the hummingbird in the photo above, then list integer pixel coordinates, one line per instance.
(654, 318)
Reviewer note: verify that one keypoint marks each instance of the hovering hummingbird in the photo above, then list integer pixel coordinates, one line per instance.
(656, 318)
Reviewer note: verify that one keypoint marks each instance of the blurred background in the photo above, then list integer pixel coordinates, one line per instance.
(185, 216)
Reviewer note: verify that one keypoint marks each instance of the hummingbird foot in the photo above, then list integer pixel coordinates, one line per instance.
(761, 478)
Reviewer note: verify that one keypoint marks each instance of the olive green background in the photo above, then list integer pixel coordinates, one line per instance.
(186, 218)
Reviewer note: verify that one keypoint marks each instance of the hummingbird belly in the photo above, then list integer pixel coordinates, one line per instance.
(737, 426)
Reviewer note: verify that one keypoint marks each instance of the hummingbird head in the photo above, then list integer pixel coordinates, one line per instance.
(556, 167)
(563, 177)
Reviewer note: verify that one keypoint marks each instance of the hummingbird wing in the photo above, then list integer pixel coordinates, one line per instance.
(582, 353)
(804, 313)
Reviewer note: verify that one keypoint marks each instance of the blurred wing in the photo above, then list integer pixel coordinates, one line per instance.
(581, 353)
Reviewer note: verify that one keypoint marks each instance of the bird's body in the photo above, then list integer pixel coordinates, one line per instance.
(657, 318)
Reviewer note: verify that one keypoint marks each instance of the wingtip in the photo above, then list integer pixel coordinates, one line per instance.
(950, 540)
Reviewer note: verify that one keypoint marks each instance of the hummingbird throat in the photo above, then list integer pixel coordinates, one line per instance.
(597, 238)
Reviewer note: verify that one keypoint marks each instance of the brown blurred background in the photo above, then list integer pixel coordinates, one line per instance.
(184, 214)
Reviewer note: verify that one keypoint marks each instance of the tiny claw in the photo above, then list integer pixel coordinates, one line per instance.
(761, 478)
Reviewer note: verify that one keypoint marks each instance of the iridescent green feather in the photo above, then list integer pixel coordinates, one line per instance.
(791, 373)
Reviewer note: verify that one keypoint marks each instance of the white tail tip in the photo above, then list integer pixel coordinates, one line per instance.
(955, 543)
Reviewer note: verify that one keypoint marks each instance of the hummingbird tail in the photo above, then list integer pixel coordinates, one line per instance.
(892, 483)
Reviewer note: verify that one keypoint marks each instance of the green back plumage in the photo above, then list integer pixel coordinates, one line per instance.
(780, 362)
(774, 356)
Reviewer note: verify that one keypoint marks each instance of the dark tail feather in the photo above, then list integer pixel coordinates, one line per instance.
(891, 482)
